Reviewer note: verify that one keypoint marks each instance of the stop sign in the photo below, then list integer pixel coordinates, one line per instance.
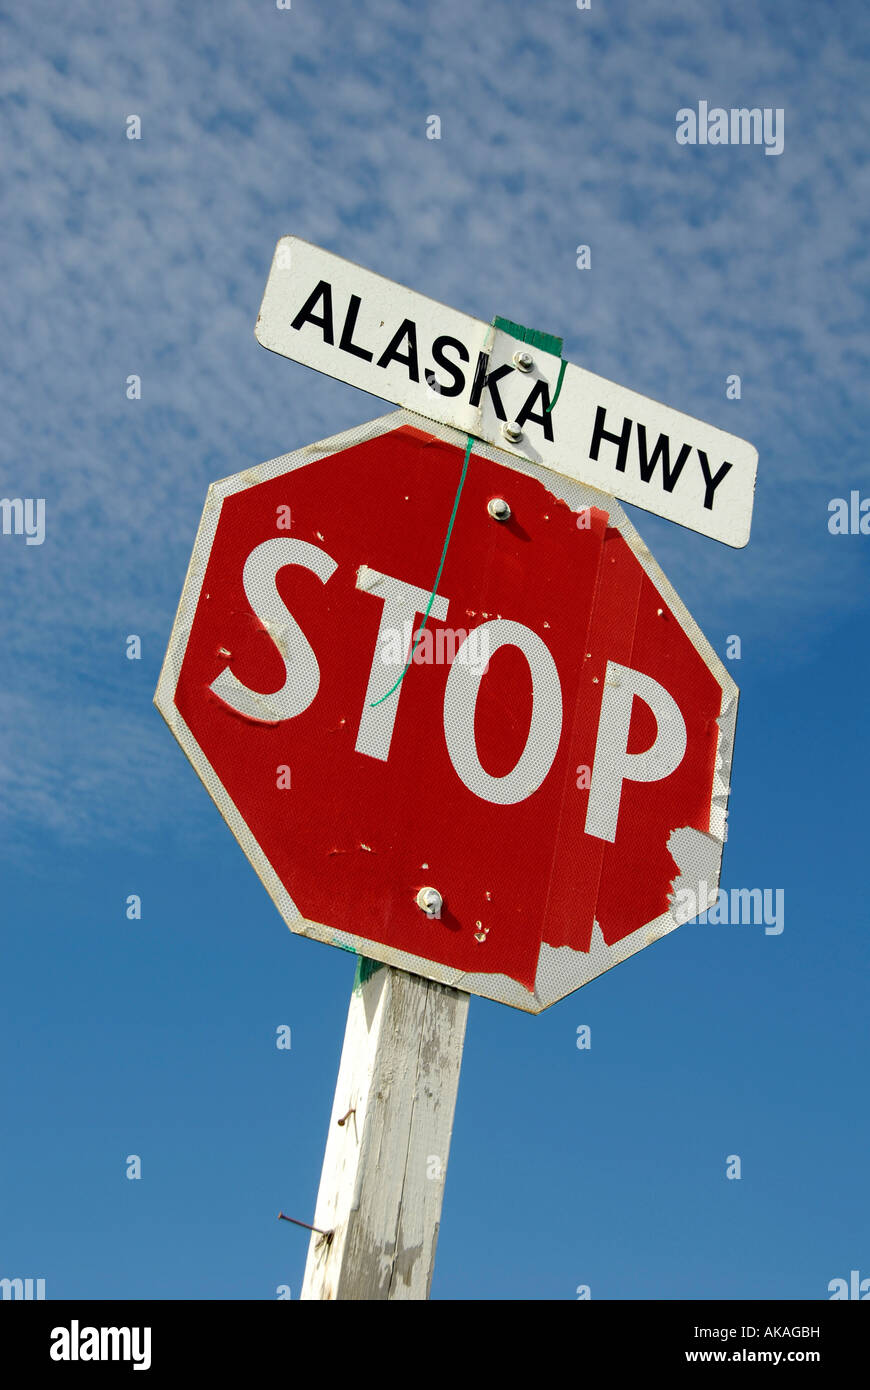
(509, 803)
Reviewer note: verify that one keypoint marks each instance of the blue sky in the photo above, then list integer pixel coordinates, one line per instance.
(604, 1167)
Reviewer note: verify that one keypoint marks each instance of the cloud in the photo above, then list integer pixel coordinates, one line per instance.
(150, 257)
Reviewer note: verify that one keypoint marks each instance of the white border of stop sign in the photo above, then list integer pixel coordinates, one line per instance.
(560, 970)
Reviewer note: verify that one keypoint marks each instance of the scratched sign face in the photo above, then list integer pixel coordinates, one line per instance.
(510, 798)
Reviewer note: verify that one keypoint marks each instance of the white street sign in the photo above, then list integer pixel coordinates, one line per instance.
(341, 319)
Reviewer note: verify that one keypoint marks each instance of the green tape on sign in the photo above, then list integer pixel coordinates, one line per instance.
(365, 968)
(547, 342)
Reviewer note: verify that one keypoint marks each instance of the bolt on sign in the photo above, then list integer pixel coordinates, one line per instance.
(392, 342)
(507, 803)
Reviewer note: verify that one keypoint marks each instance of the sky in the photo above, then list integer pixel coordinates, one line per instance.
(602, 1168)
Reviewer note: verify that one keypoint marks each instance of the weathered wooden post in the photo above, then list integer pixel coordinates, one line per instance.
(389, 1137)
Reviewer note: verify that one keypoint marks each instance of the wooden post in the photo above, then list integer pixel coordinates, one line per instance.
(389, 1136)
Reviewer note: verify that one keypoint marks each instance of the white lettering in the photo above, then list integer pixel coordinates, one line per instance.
(460, 701)
(302, 671)
(613, 764)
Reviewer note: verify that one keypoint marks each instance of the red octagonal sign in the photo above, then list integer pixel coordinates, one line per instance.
(536, 794)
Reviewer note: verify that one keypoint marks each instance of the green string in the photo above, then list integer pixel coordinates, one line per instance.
(548, 343)
(437, 577)
(558, 386)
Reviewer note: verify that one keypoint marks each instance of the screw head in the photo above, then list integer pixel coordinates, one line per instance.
(430, 901)
(511, 430)
(523, 361)
(498, 509)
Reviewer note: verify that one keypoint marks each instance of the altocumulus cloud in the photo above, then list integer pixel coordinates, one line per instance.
(150, 257)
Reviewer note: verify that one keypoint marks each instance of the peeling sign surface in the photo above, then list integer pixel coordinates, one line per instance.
(557, 798)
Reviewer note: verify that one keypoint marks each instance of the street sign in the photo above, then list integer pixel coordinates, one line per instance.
(346, 321)
(512, 811)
